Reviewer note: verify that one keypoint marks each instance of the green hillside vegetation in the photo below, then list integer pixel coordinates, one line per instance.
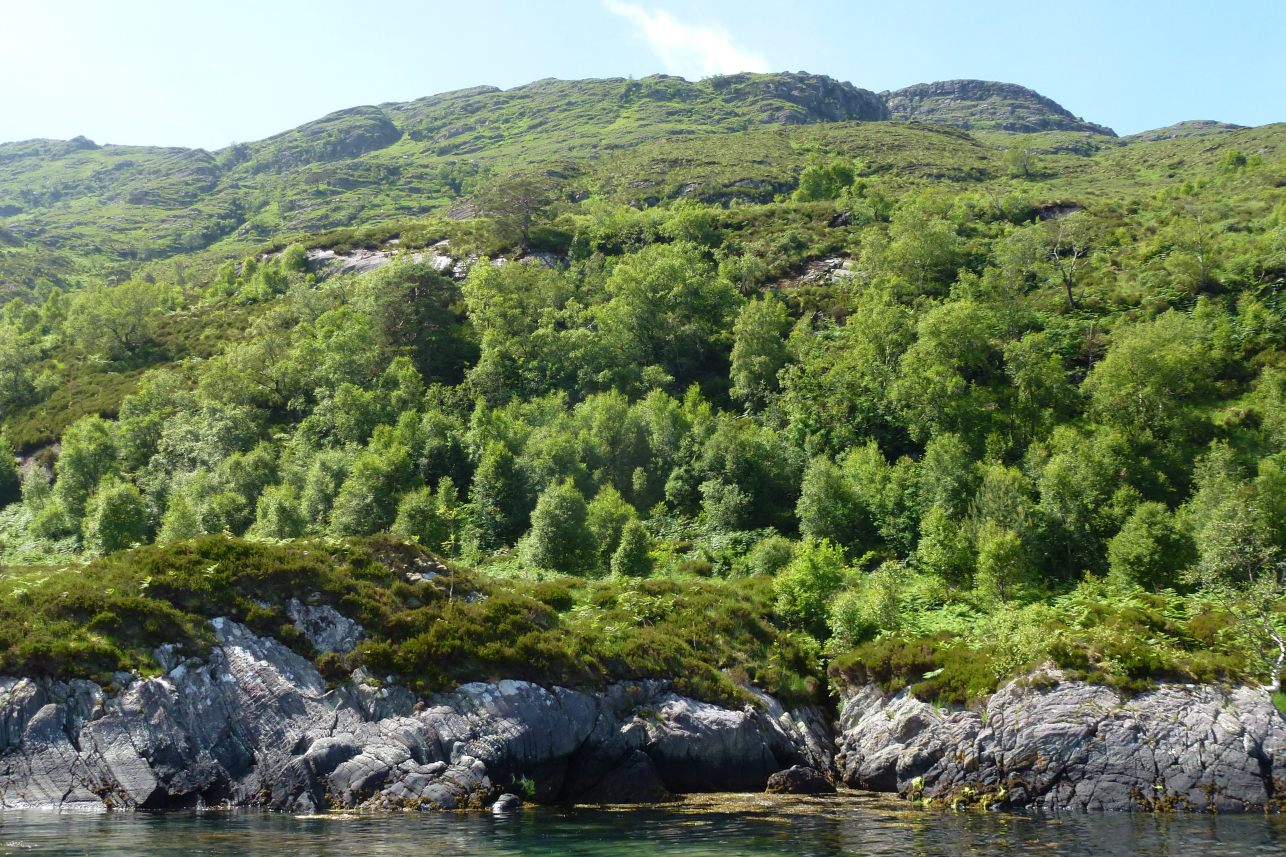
(1039, 416)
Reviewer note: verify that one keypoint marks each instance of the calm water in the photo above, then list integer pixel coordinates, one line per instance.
(742, 826)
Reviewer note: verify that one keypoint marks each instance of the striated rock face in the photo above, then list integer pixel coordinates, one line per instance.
(1057, 744)
(811, 98)
(256, 725)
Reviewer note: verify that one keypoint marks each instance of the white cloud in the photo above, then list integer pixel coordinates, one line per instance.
(693, 51)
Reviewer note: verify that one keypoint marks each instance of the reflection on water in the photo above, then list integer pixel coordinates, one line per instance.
(742, 825)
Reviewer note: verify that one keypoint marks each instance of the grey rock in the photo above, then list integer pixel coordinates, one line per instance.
(506, 803)
(326, 628)
(1051, 743)
(799, 780)
(255, 725)
(983, 104)
(1179, 130)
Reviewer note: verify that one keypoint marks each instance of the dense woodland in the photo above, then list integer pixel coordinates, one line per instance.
(1010, 430)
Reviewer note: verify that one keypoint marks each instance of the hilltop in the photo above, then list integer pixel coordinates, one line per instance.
(76, 212)
(986, 105)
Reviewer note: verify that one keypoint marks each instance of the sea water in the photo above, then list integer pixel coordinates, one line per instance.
(850, 824)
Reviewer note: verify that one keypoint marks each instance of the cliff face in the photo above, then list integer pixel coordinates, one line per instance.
(1056, 744)
(985, 105)
(255, 725)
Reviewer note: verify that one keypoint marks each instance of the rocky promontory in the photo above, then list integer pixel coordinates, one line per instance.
(256, 725)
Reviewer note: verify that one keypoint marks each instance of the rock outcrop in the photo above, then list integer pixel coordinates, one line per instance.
(1056, 744)
(986, 105)
(800, 780)
(1180, 130)
(255, 724)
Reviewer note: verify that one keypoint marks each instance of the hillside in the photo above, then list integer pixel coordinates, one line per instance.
(939, 404)
(74, 213)
(1191, 128)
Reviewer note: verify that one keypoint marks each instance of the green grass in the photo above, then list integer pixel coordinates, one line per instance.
(89, 621)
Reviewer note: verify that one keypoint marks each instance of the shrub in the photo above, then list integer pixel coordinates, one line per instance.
(770, 555)
(1152, 549)
(560, 538)
(632, 559)
(116, 518)
(806, 586)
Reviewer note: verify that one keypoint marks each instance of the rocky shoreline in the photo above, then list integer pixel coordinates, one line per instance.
(256, 725)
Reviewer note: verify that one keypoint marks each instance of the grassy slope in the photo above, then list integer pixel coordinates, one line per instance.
(90, 213)
(94, 620)
(986, 105)
(362, 165)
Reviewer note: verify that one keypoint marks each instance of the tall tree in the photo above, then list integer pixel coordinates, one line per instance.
(116, 320)
(758, 350)
(516, 202)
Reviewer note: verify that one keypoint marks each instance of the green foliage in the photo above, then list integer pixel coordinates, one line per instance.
(109, 616)
(277, 514)
(515, 203)
(419, 518)
(758, 351)
(367, 501)
(667, 309)
(1150, 373)
(824, 182)
(116, 518)
(770, 556)
(1008, 392)
(631, 558)
(496, 499)
(87, 457)
(1020, 161)
(1153, 549)
(560, 538)
(806, 585)
(116, 321)
(10, 476)
(829, 507)
(607, 518)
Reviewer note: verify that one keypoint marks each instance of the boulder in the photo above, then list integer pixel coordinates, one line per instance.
(325, 628)
(506, 803)
(799, 780)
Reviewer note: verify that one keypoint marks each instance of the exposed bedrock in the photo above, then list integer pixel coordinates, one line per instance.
(1056, 744)
(255, 724)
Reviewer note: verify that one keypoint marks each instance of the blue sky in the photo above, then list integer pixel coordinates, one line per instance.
(205, 74)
